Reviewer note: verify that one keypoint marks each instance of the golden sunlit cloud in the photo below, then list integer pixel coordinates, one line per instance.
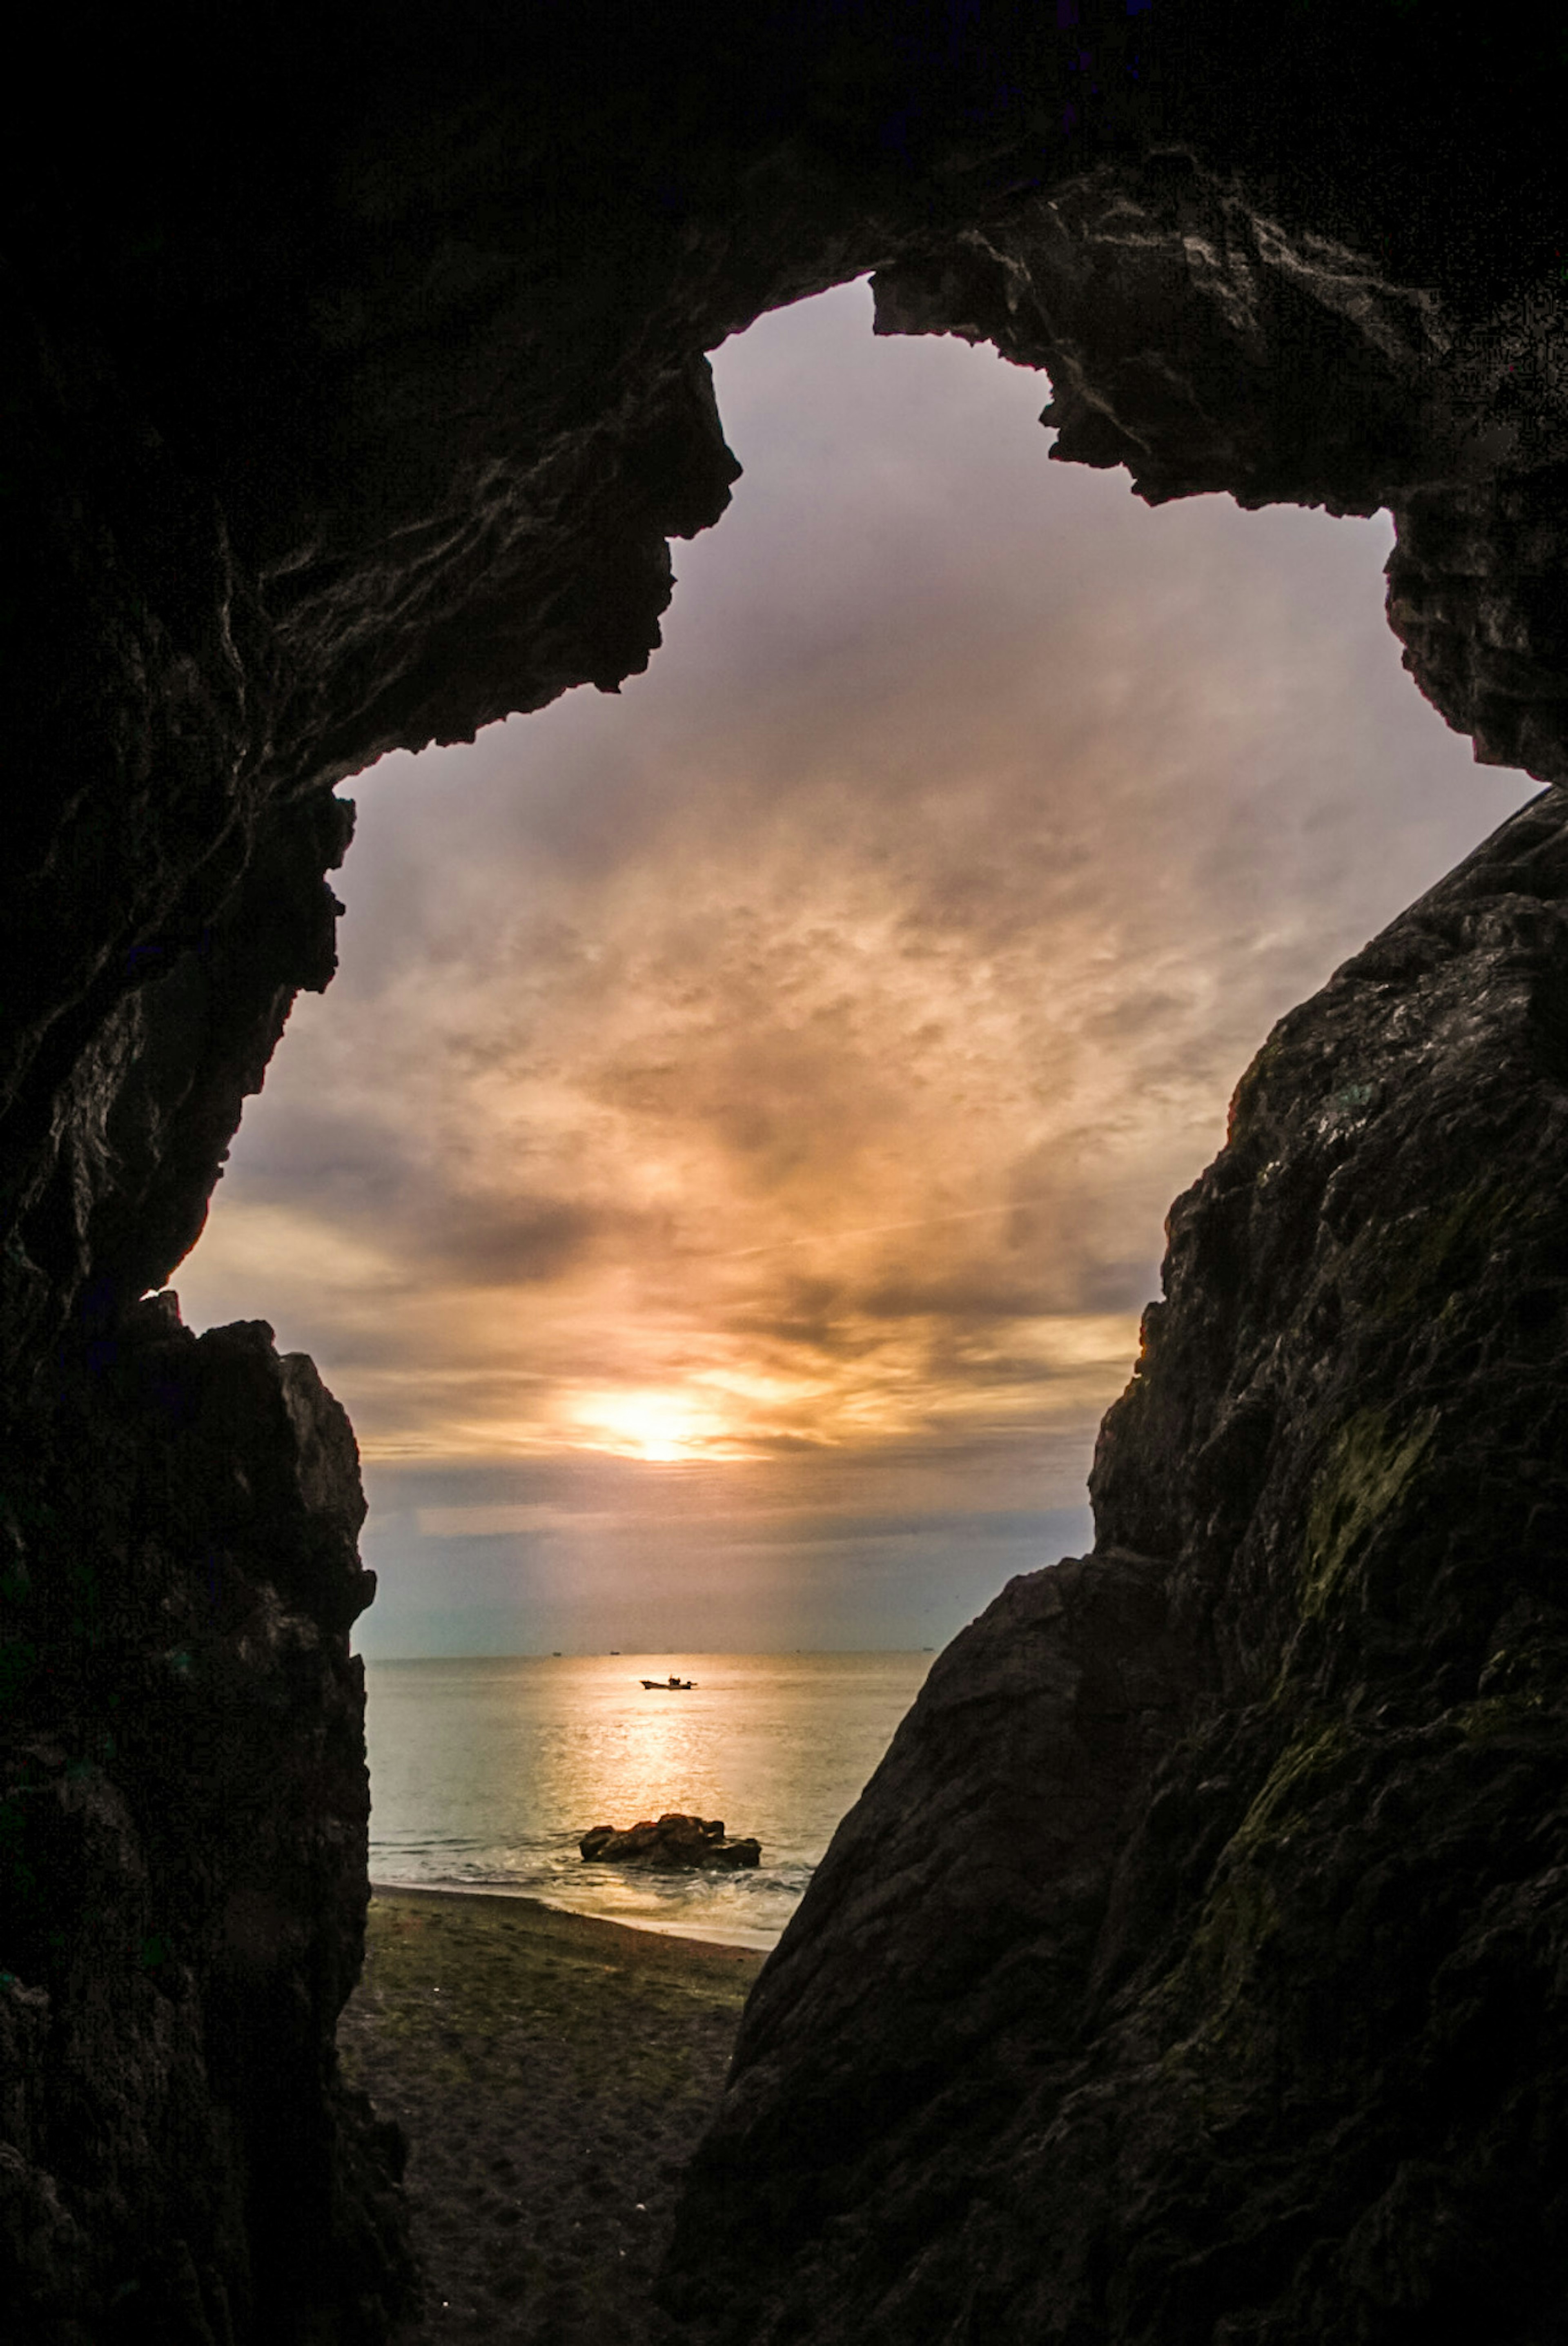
(779, 1073)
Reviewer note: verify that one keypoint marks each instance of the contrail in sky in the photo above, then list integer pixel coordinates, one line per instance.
(876, 1230)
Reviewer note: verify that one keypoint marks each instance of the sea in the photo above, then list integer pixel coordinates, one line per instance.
(485, 1773)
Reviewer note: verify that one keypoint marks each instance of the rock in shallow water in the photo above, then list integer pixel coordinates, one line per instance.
(672, 1841)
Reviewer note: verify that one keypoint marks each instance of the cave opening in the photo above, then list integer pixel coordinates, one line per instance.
(1192, 1964)
(723, 1181)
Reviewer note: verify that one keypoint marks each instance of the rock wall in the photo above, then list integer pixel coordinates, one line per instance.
(355, 387)
(1194, 337)
(1192, 1966)
(183, 1837)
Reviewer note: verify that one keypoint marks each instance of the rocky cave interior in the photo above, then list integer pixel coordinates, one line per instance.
(1216, 1891)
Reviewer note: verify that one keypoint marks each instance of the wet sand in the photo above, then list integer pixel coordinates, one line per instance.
(553, 2075)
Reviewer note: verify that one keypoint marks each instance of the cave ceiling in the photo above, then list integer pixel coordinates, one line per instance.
(356, 384)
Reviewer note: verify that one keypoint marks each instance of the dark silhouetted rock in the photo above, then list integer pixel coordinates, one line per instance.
(1191, 1966)
(183, 1819)
(355, 387)
(669, 1843)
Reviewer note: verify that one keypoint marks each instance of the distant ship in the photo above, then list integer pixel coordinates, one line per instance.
(669, 1686)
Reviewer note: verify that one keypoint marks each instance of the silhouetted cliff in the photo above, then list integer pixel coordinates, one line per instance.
(1191, 1966)
(185, 1816)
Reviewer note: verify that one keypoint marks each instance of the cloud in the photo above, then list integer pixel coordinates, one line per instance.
(509, 1243)
(779, 1072)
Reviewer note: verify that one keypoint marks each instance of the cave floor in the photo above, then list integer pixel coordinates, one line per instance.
(552, 2076)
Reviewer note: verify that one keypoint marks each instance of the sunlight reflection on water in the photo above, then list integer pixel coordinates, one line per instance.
(485, 1773)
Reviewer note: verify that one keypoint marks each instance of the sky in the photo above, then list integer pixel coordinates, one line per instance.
(723, 1181)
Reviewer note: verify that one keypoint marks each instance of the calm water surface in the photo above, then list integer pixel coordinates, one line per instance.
(484, 1774)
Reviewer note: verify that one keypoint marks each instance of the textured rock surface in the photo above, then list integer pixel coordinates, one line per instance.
(354, 389)
(183, 1816)
(670, 1840)
(1193, 1965)
(1198, 340)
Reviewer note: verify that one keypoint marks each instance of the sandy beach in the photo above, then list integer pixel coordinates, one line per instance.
(551, 2074)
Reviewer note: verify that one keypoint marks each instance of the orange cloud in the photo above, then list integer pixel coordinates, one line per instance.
(784, 1067)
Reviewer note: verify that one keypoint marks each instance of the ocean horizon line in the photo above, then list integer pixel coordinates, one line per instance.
(646, 1654)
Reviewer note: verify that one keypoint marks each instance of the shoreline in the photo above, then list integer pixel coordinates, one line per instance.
(684, 1934)
(552, 2073)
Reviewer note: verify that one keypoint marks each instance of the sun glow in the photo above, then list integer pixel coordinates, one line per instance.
(659, 1426)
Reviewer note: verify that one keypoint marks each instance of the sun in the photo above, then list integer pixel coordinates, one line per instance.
(657, 1426)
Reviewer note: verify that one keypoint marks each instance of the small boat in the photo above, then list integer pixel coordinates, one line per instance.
(669, 1686)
